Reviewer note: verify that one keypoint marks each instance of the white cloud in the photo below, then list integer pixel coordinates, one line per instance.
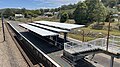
(59, 1)
(54, 3)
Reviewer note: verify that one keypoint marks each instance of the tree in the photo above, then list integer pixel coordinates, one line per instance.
(105, 2)
(110, 3)
(64, 17)
(96, 10)
(28, 14)
(66, 7)
(36, 12)
(80, 14)
(42, 11)
(46, 10)
(70, 15)
(8, 12)
(23, 10)
(52, 10)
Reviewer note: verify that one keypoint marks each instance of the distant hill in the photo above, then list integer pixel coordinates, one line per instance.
(64, 8)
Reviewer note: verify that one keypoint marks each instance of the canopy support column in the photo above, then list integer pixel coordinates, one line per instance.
(56, 40)
(65, 37)
(112, 61)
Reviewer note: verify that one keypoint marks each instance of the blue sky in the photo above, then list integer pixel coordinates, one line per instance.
(35, 4)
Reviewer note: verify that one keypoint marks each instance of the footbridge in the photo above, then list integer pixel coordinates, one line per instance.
(75, 51)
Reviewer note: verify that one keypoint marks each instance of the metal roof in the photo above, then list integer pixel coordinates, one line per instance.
(49, 28)
(39, 31)
(60, 25)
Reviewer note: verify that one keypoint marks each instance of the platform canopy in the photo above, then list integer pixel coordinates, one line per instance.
(60, 25)
(38, 31)
(49, 28)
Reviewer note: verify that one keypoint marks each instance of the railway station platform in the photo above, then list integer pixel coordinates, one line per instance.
(48, 46)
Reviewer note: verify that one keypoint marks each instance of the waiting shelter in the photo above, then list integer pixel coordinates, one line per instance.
(51, 29)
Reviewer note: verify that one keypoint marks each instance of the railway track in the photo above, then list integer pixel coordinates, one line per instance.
(30, 59)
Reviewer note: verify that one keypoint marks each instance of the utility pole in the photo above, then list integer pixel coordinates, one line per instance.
(108, 36)
(108, 32)
(2, 18)
(83, 32)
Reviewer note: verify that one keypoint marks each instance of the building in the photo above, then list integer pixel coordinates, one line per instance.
(48, 14)
(19, 16)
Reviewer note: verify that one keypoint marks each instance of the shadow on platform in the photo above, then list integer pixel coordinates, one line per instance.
(41, 44)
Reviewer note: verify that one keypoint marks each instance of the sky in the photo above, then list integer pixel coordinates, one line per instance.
(35, 4)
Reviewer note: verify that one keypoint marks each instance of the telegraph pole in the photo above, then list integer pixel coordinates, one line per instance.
(108, 36)
(2, 18)
(108, 32)
(83, 33)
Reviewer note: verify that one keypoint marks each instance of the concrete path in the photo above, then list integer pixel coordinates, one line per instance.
(104, 59)
(10, 56)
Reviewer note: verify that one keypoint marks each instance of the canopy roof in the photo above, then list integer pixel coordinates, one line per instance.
(49, 28)
(60, 25)
(39, 31)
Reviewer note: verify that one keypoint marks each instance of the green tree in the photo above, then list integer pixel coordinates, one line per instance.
(80, 13)
(110, 3)
(23, 10)
(38, 12)
(42, 11)
(28, 14)
(96, 10)
(8, 12)
(46, 10)
(64, 17)
(70, 15)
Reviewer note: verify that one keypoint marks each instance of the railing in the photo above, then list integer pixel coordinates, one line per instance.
(114, 45)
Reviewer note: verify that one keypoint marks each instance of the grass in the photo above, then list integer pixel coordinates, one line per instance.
(103, 31)
(78, 37)
(113, 32)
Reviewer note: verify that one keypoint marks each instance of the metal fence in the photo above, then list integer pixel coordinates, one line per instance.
(100, 43)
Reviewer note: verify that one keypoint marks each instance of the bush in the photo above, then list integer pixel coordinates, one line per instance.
(64, 17)
(97, 26)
